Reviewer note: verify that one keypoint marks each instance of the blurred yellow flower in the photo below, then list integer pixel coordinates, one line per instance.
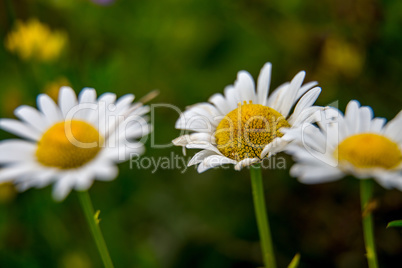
(339, 56)
(35, 40)
(52, 88)
(76, 259)
(7, 192)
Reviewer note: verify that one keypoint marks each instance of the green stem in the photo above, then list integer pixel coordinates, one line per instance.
(262, 217)
(366, 190)
(95, 229)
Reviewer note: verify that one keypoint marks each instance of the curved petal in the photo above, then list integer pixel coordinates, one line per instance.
(264, 80)
(32, 117)
(49, 108)
(67, 100)
(20, 129)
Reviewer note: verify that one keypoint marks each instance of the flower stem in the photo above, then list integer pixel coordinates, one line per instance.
(262, 217)
(95, 229)
(366, 190)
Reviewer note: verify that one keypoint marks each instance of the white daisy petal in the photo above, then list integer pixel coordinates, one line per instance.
(16, 151)
(377, 124)
(19, 129)
(264, 80)
(307, 101)
(67, 100)
(245, 86)
(87, 95)
(394, 128)
(231, 99)
(352, 116)
(32, 117)
(49, 108)
(312, 175)
(366, 114)
(11, 172)
(213, 161)
(246, 162)
(200, 156)
(220, 103)
(63, 186)
(306, 87)
(289, 100)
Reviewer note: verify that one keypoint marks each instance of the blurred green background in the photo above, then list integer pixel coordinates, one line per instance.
(191, 50)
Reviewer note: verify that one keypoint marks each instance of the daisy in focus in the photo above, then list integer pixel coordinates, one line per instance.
(244, 126)
(73, 143)
(354, 143)
(35, 40)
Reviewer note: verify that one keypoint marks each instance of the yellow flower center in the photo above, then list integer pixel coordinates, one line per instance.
(69, 144)
(245, 131)
(369, 150)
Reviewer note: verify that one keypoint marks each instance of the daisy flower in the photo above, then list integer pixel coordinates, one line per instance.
(73, 143)
(244, 125)
(355, 143)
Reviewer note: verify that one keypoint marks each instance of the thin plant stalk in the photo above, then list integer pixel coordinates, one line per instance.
(366, 190)
(262, 217)
(93, 223)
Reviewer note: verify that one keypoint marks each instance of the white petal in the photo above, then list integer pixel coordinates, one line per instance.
(244, 85)
(200, 156)
(12, 172)
(307, 100)
(195, 137)
(306, 88)
(220, 103)
(309, 174)
(106, 172)
(288, 101)
(32, 117)
(87, 95)
(124, 103)
(63, 186)
(366, 114)
(352, 116)
(49, 108)
(377, 124)
(20, 129)
(67, 100)
(214, 161)
(274, 147)
(264, 80)
(232, 99)
(246, 162)
(394, 128)
(274, 100)
(16, 151)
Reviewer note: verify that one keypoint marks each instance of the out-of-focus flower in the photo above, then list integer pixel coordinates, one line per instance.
(52, 88)
(244, 126)
(7, 192)
(35, 40)
(354, 143)
(341, 57)
(76, 260)
(73, 143)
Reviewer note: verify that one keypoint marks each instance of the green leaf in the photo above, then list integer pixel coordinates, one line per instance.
(397, 223)
(295, 262)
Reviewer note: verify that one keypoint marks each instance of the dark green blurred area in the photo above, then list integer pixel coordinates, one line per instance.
(190, 50)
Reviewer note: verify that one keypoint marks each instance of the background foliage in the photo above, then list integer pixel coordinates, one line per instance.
(191, 50)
